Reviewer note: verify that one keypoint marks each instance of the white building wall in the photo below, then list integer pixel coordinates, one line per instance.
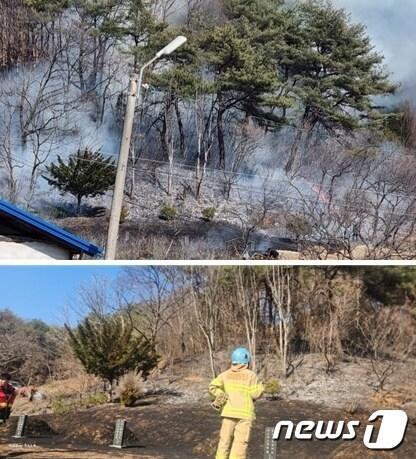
(32, 251)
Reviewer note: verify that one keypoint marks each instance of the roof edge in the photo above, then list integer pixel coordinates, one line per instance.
(50, 229)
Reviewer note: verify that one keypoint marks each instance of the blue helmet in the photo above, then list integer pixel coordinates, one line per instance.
(241, 356)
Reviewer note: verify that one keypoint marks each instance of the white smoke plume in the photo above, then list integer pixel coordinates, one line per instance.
(391, 26)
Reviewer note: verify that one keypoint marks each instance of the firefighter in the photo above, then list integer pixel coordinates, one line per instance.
(235, 391)
(7, 397)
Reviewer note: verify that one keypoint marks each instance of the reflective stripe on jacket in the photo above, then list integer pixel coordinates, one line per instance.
(242, 388)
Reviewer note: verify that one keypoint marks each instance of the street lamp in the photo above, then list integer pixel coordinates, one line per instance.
(166, 51)
(134, 94)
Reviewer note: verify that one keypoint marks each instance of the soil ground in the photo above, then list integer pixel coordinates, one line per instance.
(174, 420)
(179, 432)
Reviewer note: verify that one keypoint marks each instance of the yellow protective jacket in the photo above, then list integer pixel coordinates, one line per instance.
(242, 388)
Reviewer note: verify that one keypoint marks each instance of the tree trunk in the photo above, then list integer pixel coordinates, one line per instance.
(211, 359)
(111, 390)
(220, 134)
(79, 200)
(180, 128)
(293, 155)
(305, 126)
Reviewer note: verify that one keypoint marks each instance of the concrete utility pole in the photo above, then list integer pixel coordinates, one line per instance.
(112, 237)
(134, 94)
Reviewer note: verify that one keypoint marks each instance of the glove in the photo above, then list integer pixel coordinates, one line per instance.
(220, 401)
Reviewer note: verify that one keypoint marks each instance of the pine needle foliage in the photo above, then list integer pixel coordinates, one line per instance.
(86, 173)
(109, 347)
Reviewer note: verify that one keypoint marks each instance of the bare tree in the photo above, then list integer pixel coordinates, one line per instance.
(387, 339)
(10, 164)
(279, 285)
(204, 130)
(363, 206)
(207, 306)
(242, 144)
(147, 294)
(252, 215)
(164, 9)
(248, 302)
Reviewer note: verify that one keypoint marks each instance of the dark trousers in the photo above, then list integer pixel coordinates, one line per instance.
(5, 414)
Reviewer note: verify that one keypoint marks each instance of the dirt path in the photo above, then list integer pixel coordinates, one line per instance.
(180, 432)
(39, 452)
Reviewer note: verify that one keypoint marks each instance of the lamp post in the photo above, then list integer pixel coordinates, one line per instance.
(135, 86)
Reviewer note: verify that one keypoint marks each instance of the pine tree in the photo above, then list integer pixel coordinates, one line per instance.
(138, 25)
(48, 6)
(333, 71)
(84, 174)
(243, 66)
(109, 347)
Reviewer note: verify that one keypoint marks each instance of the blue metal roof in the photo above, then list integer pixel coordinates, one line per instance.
(49, 230)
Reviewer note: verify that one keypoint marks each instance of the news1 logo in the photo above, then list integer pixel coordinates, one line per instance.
(390, 434)
(392, 430)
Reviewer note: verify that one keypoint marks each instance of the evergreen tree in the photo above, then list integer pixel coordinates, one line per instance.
(84, 174)
(178, 80)
(390, 285)
(109, 347)
(334, 72)
(138, 25)
(48, 6)
(242, 65)
(100, 24)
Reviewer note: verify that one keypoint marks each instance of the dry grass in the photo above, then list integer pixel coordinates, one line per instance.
(355, 451)
(193, 378)
(67, 387)
(397, 398)
(178, 241)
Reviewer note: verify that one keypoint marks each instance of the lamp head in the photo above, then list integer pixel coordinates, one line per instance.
(172, 46)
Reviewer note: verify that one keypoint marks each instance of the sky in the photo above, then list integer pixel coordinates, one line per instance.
(391, 25)
(43, 292)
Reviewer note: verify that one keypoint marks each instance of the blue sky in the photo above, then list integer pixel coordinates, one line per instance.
(391, 25)
(43, 292)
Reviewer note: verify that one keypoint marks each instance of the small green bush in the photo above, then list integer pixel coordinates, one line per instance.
(93, 400)
(168, 212)
(208, 214)
(64, 405)
(61, 406)
(272, 387)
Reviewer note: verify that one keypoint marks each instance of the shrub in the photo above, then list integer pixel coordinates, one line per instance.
(93, 400)
(208, 214)
(130, 389)
(168, 212)
(298, 226)
(61, 405)
(272, 388)
(60, 211)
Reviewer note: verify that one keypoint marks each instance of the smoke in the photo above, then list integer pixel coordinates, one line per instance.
(391, 26)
